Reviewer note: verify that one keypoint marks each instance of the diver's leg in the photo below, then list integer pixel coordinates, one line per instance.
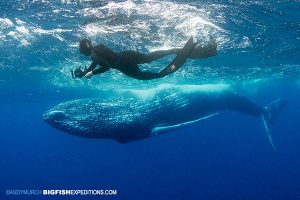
(144, 75)
(204, 51)
(197, 53)
(148, 76)
(146, 58)
(135, 72)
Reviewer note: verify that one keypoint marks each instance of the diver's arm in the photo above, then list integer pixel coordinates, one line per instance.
(92, 66)
(104, 66)
(100, 70)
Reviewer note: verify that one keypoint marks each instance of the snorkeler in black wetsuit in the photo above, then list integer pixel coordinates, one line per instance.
(127, 61)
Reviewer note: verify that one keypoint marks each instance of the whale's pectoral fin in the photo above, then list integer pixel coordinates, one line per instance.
(163, 129)
(272, 111)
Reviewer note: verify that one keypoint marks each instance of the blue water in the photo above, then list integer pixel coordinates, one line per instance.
(225, 157)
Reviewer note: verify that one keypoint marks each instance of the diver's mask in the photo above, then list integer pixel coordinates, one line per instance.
(78, 72)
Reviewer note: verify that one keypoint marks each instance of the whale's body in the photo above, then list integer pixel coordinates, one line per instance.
(144, 113)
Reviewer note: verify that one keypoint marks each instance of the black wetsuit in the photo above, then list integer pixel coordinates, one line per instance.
(125, 61)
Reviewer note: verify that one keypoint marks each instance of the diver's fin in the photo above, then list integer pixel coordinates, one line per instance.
(272, 111)
(206, 51)
(163, 129)
(180, 59)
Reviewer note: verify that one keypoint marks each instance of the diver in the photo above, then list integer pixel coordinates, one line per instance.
(127, 61)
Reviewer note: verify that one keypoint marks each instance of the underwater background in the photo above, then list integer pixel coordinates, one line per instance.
(225, 157)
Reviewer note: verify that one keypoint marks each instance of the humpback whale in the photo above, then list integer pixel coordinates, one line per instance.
(137, 114)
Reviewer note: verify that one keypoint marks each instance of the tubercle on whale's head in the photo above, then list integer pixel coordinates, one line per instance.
(75, 118)
(54, 115)
(54, 118)
(61, 120)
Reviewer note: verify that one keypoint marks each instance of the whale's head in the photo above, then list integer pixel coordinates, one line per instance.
(91, 118)
(73, 117)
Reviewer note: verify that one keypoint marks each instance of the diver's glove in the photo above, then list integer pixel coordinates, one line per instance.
(78, 72)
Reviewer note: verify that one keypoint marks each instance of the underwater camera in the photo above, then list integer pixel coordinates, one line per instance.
(78, 72)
